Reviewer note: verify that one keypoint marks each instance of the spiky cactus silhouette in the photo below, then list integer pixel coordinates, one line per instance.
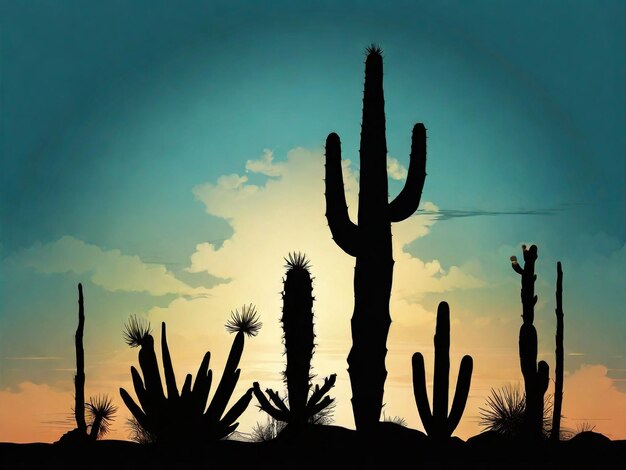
(438, 424)
(297, 321)
(370, 240)
(183, 418)
(535, 374)
(558, 367)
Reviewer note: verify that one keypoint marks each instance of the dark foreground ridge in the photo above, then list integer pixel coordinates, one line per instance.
(329, 447)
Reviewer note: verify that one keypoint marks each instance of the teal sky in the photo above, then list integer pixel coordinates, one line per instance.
(112, 112)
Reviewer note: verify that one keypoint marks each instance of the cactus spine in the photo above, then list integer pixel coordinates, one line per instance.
(439, 424)
(370, 240)
(558, 368)
(297, 321)
(535, 374)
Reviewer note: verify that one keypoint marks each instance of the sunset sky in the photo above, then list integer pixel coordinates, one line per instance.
(169, 156)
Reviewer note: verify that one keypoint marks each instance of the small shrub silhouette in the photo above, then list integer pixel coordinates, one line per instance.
(438, 424)
(183, 418)
(370, 241)
(101, 412)
(535, 374)
(300, 408)
(138, 434)
(504, 412)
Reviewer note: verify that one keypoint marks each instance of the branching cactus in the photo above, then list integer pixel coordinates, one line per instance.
(438, 424)
(183, 418)
(297, 321)
(370, 240)
(535, 374)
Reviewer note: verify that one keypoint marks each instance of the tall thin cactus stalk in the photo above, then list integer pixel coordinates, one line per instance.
(79, 378)
(535, 374)
(558, 368)
(370, 240)
(438, 424)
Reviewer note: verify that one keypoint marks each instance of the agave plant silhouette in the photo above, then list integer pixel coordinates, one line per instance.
(181, 417)
(504, 411)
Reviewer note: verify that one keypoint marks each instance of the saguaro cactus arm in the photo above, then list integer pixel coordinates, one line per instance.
(407, 201)
(420, 393)
(461, 393)
(345, 233)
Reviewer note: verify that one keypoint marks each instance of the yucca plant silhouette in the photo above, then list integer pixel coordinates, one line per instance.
(370, 241)
(101, 412)
(183, 418)
(297, 321)
(504, 412)
(438, 424)
(535, 374)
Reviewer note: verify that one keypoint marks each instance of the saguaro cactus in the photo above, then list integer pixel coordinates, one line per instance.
(535, 374)
(439, 424)
(370, 240)
(298, 337)
(558, 368)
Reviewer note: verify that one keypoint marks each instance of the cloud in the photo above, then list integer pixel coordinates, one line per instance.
(591, 396)
(395, 170)
(109, 269)
(34, 413)
(265, 165)
(448, 214)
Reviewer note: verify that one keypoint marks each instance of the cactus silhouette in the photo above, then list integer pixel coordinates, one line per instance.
(558, 367)
(297, 321)
(535, 374)
(439, 424)
(79, 378)
(370, 240)
(183, 418)
(100, 409)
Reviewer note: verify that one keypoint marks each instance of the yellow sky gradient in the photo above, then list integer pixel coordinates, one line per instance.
(252, 261)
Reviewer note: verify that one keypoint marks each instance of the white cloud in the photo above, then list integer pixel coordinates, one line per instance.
(265, 165)
(395, 169)
(109, 269)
